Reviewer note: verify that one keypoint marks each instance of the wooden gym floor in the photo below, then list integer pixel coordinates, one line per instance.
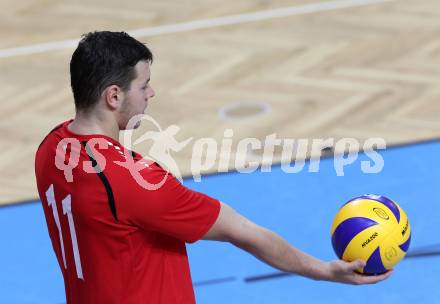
(334, 69)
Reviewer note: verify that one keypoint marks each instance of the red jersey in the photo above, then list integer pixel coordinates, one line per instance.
(118, 224)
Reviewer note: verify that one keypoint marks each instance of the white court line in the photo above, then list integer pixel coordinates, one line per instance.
(199, 24)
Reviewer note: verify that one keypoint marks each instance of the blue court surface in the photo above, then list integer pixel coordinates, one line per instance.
(300, 207)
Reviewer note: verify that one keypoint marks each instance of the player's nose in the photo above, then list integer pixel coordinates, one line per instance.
(151, 93)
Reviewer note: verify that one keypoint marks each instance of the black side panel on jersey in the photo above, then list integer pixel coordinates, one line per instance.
(104, 180)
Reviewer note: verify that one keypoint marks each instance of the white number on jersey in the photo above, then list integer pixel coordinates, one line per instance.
(67, 210)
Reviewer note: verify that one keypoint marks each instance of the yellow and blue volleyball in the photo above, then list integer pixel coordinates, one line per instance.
(372, 228)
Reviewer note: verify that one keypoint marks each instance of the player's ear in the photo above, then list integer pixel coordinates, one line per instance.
(113, 97)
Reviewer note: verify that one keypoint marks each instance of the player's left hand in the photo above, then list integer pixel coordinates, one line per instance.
(345, 272)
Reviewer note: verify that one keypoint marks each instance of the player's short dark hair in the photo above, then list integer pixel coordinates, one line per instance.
(103, 59)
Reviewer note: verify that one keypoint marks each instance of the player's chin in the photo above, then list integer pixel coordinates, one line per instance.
(136, 125)
(132, 125)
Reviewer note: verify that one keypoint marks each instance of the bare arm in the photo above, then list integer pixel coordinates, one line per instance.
(275, 251)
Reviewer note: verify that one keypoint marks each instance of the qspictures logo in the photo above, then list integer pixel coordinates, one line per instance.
(210, 154)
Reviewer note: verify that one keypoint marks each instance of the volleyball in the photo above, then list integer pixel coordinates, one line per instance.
(373, 228)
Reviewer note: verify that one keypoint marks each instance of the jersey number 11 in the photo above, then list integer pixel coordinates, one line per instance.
(67, 210)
